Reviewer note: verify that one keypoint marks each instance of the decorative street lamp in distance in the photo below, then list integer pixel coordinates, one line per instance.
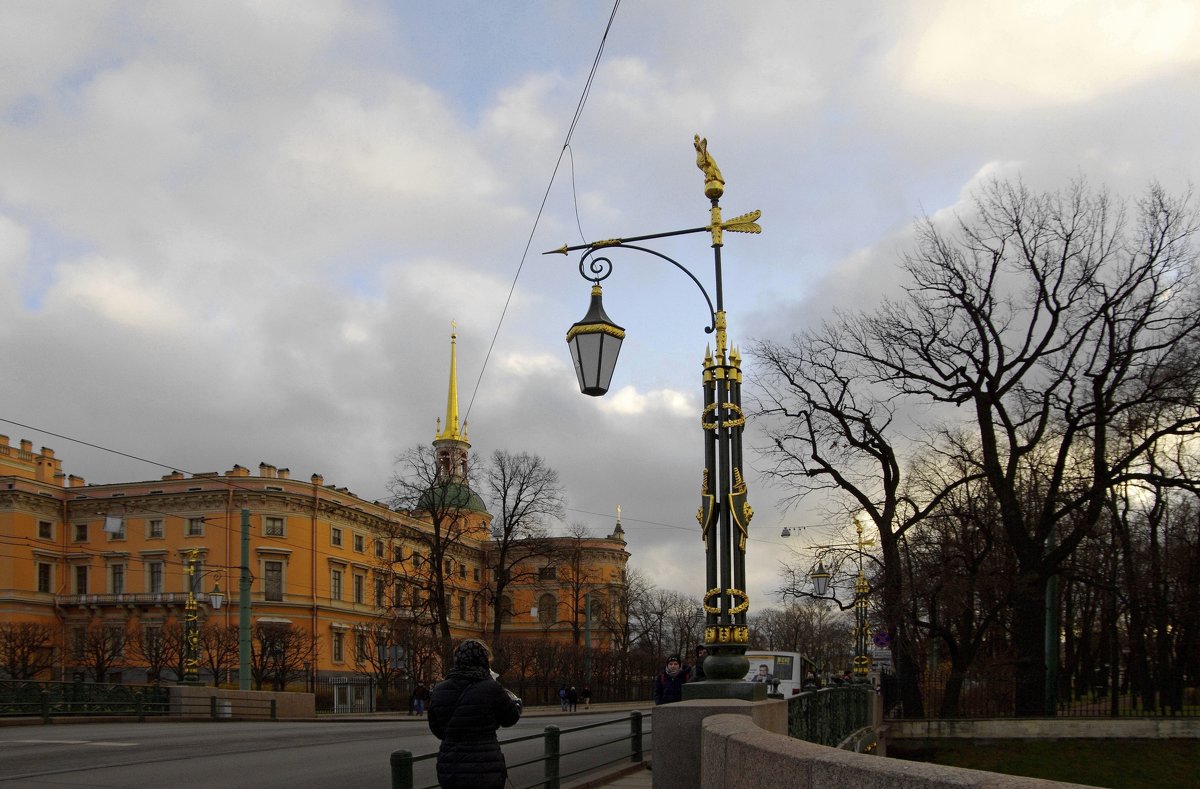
(820, 578)
(724, 514)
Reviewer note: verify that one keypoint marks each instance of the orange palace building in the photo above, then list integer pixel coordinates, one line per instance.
(73, 555)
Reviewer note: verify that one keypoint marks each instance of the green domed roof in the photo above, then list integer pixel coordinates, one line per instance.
(452, 496)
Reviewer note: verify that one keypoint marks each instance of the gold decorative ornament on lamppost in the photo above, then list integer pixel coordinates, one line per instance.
(724, 514)
(191, 619)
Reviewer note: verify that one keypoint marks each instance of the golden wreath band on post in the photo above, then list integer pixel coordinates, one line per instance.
(744, 605)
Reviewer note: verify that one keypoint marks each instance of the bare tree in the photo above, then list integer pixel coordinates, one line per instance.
(526, 496)
(154, 649)
(279, 654)
(26, 649)
(622, 616)
(219, 646)
(831, 430)
(380, 652)
(1052, 323)
(101, 647)
(451, 509)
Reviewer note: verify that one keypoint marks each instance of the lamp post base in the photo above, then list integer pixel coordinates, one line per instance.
(725, 689)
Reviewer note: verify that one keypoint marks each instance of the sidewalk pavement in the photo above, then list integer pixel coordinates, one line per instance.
(541, 711)
(634, 776)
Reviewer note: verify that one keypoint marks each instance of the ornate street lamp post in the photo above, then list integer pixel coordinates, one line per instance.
(820, 579)
(724, 514)
(191, 620)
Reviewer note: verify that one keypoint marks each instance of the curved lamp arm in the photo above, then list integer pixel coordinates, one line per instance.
(599, 269)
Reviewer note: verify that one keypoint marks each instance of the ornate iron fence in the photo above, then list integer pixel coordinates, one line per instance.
(994, 697)
(831, 715)
(51, 699)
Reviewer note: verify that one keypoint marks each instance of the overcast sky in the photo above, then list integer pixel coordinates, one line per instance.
(239, 232)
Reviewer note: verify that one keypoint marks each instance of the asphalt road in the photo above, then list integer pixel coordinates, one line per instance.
(260, 755)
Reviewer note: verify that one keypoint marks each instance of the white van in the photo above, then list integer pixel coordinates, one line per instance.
(784, 671)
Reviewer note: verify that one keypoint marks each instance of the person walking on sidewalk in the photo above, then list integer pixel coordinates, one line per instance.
(420, 698)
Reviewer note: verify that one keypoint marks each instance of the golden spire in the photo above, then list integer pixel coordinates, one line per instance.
(451, 431)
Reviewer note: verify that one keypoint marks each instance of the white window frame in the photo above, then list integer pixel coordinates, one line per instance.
(151, 566)
(49, 570)
(338, 646)
(117, 570)
(282, 578)
(269, 520)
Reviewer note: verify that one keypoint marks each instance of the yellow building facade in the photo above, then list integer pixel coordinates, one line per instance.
(78, 558)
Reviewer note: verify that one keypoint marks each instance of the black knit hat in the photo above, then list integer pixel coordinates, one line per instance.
(674, 657)
(472, 653)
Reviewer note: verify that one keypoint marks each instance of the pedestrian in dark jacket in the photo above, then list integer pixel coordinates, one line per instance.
(464, 712)
(698, 669)
(668, 686)
(420, 699)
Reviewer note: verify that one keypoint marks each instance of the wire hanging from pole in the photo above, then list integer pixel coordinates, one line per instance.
(587, 89)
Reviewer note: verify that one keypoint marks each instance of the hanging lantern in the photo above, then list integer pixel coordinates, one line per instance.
(820, 578)
(595, 342)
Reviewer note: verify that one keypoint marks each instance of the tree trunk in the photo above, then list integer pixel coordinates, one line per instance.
(1029, 642)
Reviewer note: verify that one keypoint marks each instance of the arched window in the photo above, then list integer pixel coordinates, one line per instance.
(506, 610)
(547, 609)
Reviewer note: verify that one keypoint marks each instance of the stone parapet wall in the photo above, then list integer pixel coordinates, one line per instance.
(738, 754)
(197, 702)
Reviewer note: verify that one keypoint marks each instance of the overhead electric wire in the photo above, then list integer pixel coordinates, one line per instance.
(583, 97)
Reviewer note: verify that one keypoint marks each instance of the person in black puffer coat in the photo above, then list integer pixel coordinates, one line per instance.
(464, 712)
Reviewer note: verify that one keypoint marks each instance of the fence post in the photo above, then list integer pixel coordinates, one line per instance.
(212, 707)
(273, 710)
(137, 706)
(552, 752)
(402, 770)
(635, 736)
(45, 706)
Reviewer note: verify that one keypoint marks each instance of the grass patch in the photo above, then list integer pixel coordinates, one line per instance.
(1118, 764)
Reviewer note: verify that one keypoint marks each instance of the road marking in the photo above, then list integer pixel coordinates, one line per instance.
(101, 743)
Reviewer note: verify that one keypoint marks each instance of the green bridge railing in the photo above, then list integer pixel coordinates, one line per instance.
(830, 716)
(53, 699)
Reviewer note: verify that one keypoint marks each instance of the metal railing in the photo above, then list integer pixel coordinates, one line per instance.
(830, 716)
(72, 699)
(552, 758)
(226, 708)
